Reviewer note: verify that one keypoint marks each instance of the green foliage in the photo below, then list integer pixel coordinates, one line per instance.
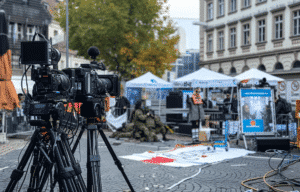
(130, 34)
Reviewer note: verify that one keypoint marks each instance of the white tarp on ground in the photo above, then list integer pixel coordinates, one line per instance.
(254, 75)
(188, 156)
(205, 78)
(148, 80)
(115, 123)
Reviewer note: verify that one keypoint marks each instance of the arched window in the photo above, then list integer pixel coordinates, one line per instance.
(221, 70)
(278, 66)
(262, 67)
(296, 64)
(245, 68)
(232, 70)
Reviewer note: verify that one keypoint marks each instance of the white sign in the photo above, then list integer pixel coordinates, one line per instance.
(148, 103)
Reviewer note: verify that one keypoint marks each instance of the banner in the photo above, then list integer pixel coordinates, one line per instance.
(257, 111)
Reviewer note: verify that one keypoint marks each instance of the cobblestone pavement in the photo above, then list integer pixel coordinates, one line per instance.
(222, 177)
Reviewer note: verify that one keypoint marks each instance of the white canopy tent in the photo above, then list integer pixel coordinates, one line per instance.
(148, 80)
(204, 78)
(254, 75)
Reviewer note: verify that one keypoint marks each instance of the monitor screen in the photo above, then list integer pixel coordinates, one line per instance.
(34, 53)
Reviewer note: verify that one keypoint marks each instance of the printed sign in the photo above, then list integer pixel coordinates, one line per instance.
(295, 86)
(257, 110)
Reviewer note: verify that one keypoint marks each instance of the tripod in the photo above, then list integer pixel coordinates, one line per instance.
(49, 148)
(93, 157)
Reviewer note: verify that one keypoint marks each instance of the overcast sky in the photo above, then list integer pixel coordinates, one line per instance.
(184, 8)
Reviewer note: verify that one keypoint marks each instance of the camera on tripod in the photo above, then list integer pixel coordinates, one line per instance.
(52, 87)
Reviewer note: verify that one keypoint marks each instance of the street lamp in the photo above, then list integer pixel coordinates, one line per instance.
(67, 33)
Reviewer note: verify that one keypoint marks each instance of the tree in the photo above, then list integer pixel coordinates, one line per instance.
(132, 35)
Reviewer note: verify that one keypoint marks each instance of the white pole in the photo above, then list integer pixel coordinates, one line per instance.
(159, 103)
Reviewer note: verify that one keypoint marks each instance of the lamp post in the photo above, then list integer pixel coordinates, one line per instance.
(67, 34)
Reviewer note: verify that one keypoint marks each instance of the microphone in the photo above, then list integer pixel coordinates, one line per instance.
(93, 52)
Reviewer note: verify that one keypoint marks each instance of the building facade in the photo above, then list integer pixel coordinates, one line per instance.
(24, 18)
(244, 34)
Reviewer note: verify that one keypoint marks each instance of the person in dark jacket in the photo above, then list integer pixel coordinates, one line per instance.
(226, 106)
(279, 109)
(267, 118)
(122, 104)
(234, 107)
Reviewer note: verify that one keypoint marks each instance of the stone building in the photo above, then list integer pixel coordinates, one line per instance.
(24, 17)
(241, 34)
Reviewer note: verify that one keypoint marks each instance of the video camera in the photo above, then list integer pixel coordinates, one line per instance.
(53, 87)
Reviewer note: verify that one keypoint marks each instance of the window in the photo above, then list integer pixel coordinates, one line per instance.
(296, 64)
(55, 32)
(232, 5)
(20, 31)
(278, 27)
(30, 32)
(246, 32)
(245, 68)
(297, 22)
(246, 3)
(278, 66)
(210, 11)
(10, 29)
(221, 40)
(232, 37)
(262, 67)
(221, 7)
(261, 30)
(221, 70)
(210, 43)
(232, 70)
(260, 1)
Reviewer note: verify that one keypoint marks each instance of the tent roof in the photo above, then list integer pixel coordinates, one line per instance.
(257, 74)
(148, 80)
(206, 78)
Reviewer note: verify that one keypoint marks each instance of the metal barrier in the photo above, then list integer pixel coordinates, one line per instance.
(285, 125)
(16, 123)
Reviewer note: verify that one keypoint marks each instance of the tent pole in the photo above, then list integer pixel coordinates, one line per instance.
(159, 103)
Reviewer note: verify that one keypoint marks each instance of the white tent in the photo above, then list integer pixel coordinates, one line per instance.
(254, 75)
(205, 78)
(148, 80)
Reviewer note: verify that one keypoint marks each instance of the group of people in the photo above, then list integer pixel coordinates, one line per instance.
(144, 125)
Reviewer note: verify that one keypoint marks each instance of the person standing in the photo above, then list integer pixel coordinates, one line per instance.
(122, 104)
(196, 112)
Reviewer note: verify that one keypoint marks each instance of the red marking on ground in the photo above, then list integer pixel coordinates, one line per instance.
(159, 160)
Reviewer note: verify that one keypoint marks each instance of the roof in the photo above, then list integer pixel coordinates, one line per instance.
(205, 78)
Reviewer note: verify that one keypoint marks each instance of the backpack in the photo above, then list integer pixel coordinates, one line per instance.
(287, 106)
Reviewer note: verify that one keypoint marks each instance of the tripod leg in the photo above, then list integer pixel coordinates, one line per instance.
(78, 139)
(18, 173)
(79, 181)
(117, 161)
(93, 161)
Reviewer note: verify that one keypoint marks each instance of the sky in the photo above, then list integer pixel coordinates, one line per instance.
(184, 8)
